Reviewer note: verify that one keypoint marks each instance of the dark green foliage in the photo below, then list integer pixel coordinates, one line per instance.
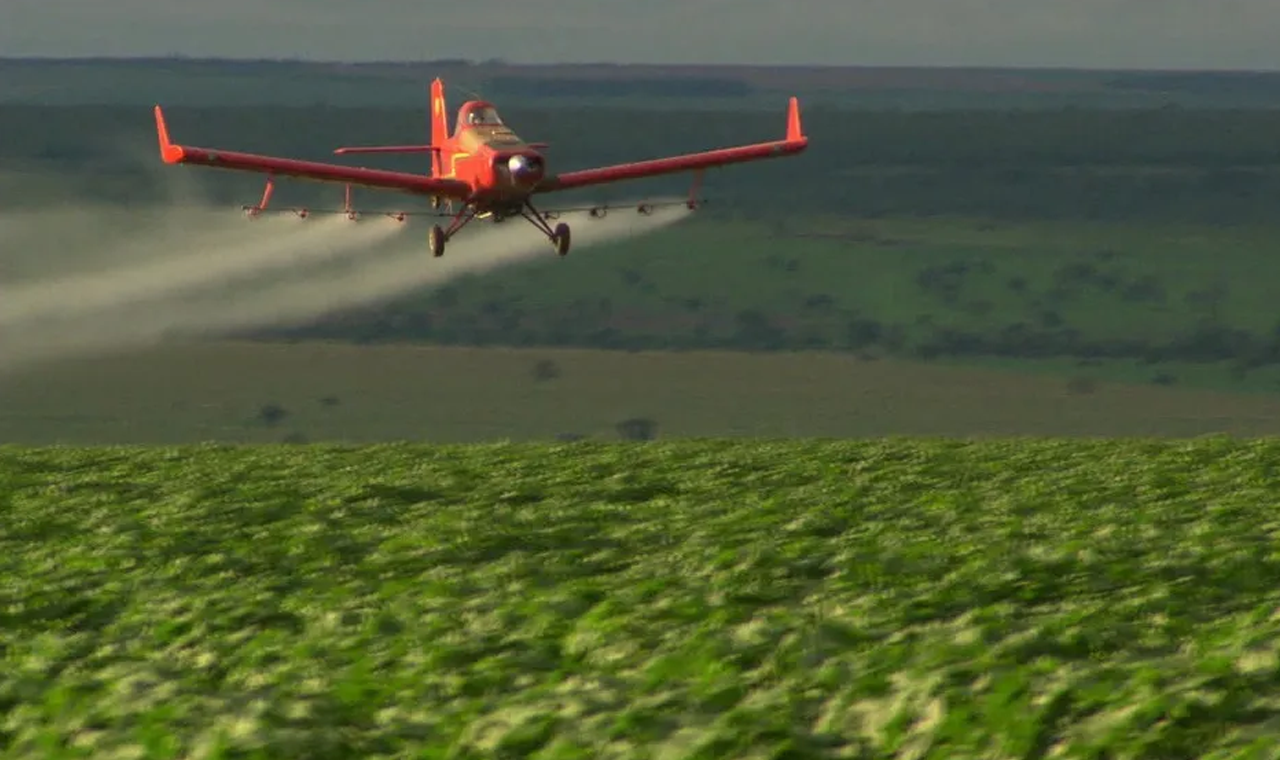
(272, 414)
(502, 87)
(637, 429)
(545, 369)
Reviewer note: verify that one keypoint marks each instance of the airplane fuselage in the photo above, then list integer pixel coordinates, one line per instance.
(501, 168)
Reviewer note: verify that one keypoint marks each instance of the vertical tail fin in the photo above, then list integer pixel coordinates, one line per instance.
(439, 126)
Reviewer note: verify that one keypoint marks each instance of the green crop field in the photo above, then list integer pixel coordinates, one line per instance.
(705, 599)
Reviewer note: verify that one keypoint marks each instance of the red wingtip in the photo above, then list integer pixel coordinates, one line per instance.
(169, 153)
(794, 131)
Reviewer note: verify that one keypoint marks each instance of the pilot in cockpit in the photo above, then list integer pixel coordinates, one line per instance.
(484, 117)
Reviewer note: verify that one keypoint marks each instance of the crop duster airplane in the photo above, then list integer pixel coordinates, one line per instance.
(483, 166)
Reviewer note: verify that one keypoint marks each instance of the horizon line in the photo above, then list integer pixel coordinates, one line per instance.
(454, 61)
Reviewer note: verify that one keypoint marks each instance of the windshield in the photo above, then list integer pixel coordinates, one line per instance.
(486, 116)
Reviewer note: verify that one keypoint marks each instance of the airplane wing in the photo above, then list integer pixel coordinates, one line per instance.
(795, 142)
(404, 182)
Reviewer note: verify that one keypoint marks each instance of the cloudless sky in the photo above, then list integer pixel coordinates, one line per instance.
(1076, 33)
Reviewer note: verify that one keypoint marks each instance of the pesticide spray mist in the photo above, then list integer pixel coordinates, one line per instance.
(82, 284)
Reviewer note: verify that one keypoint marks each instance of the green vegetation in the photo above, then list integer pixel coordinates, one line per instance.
(1173, 304)
(1133, 244)
(699, 598)
(807, 600)
(308, 392)
(1141, 239)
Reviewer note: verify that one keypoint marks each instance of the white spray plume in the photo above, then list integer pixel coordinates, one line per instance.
(198, 272)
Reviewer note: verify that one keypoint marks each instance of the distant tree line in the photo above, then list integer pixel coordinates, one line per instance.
(753, 330)
(614, 89)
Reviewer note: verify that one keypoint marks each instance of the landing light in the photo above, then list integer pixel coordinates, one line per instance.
(524, 166)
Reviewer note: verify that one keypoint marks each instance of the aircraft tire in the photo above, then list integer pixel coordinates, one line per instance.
(562, 239)
(436, 241)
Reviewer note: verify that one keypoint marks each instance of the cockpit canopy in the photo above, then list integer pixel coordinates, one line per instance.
(479, 114)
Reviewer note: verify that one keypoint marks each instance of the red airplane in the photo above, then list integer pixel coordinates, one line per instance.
(483, 165)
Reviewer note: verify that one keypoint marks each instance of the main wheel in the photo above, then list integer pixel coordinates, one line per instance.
(435, 241)
(561, 239)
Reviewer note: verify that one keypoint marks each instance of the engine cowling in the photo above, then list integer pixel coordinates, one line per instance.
(525, 169)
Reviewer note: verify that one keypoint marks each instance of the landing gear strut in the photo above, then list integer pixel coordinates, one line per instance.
(438, 237)
(560, 237)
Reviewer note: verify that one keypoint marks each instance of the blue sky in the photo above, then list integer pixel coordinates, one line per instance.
(1091, 33)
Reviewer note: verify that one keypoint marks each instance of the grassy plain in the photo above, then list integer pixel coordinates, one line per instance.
(922, 273)
(710, 599)
(1185, 304)
(1146, 302)
(1130, 245)
(336, 392)
(1137, 235)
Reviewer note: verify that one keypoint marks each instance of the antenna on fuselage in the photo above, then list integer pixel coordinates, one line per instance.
(471, 94)
(474, 95)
